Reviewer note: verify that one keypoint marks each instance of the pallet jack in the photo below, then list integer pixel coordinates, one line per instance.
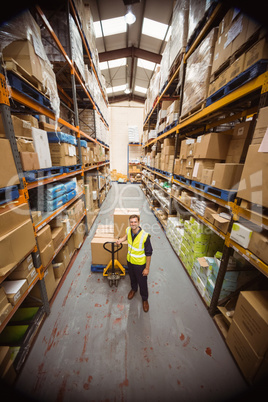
(113, 274)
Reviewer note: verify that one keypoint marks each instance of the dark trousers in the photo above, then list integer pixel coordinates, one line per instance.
(136, 278)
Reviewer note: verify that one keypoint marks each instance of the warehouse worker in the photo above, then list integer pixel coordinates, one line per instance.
(138, 259)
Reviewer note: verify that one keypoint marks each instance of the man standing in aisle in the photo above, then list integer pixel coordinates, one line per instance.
(138, 259)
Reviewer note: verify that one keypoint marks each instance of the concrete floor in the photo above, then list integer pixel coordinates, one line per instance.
(96, 345)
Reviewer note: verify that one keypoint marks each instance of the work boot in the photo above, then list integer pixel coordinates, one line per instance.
(131, 294)
(145, 306)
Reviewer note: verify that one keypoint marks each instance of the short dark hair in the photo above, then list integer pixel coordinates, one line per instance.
(134, 216)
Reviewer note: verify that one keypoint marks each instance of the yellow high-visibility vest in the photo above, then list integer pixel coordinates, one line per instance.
(136, 253)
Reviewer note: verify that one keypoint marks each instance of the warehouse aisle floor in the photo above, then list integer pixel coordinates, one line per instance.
(96, 345)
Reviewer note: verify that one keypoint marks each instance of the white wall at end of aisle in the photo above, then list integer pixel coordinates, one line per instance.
(122, 115)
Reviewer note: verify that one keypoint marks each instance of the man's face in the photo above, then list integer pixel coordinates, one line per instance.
(134, 223)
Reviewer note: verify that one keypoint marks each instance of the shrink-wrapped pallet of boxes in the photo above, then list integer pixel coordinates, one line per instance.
(198, 71)
(22, 45)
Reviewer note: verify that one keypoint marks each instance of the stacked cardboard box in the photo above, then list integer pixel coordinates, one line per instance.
(247, 335)
(45, 245)
(5, 305)
(7, 371)
(109, 233)
(25, 270)
(121, 220)
(256, 164)
(16, 237)
(50, 284)
(62, 154)
(234, 30)
(8, 171)
(184, 165)
(210, 148)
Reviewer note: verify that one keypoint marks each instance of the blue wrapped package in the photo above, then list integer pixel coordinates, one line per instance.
(55, 191)
(69, 186)
(70, 195)
(83, 143)
(58, 137)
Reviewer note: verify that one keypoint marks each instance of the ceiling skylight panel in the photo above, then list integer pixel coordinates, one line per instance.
(140, 89)
(117, 62)
(104, 65)
(154, 29)
(149, 65)
(117, 88)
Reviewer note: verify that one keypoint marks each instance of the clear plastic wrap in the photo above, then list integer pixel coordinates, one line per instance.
(77, 47)
(198, 71)
(165, 65)
(24, 28)
(197, 9)
(179, 29)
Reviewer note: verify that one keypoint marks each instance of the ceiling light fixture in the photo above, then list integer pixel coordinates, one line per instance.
(130, 18)
(127, 90)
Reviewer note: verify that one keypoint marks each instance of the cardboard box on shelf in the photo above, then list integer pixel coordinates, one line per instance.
(15, 244)
(221, 221)
(22, 128)
(206, 177)
(41, 147)
(22, 51)
(212, 146)
(29, 161)
(4, 312)
(241, 234)
(47, 253)
(5, 357)
(59, 269)
(258, 245)
(245, 356)
(253, 185)
(57, 235)
(79, 235)
(15, 289)
(63, 257)
(28, 117)
(44, 237)
(227, 175)
(50, 284)
(3, 298)
(209, 212)
(8, 171)
(23, 269)
(251, 315)
(13, 217)
(261, 126)
(200, 165)
(257, 52)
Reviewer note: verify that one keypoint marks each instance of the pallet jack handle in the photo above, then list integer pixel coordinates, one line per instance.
(112, 251)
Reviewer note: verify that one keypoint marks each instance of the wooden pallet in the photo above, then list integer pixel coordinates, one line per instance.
(249, 74)
(196, 109)
(12, 65)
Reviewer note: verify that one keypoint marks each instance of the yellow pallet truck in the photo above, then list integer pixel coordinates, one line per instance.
(114, 270)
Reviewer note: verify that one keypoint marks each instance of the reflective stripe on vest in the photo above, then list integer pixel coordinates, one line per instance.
(136, 254)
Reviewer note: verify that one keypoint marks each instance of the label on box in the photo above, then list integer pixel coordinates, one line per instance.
(17, 296)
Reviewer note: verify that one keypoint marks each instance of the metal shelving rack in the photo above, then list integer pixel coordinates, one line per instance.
(33, 105)
(235, 105)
